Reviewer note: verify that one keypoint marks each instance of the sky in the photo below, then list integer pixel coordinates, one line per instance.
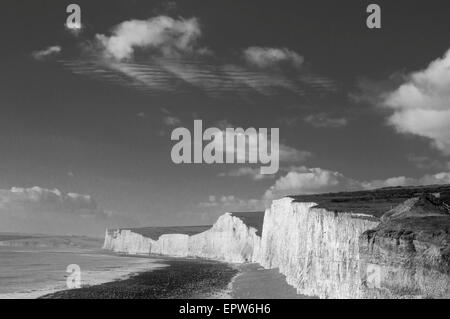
(86, 116)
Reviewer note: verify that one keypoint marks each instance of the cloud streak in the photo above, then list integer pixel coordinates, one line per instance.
(163, 54)
(47, 53)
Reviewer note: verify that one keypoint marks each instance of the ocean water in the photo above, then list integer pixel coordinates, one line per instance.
(33, 273)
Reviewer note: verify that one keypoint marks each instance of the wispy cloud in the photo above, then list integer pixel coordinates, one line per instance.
(263, 57)
(163, 54)
(324, 120)
(46, 53)
(180, 76)
(250, 149)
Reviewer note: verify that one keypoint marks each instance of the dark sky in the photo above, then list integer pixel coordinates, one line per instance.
(72, 122)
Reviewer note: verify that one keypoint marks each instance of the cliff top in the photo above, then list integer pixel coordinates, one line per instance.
(252, 219)
(373, 202)
(156, 232)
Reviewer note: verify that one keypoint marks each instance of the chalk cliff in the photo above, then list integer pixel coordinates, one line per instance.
(316, 249)
(387, 243)
(229, 239)
(127, 242)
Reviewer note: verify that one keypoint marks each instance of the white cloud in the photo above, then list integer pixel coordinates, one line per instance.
(303, 180)
(421, 105)
(272, 57)
(172, 59)
(46, 53)
(45, 200)
(165, 35)
(287, 154)
(429, 179)
(324, 120)
(41, 210)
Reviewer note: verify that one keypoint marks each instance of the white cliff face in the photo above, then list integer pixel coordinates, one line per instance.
(228, 240)
(321, 253)
(127, 242)
(176, 245)
(316, 249)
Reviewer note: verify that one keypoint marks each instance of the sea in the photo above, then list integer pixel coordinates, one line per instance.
(32, 273)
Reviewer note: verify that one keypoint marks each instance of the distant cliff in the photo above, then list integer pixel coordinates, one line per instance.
(229, 239)
(387, 243)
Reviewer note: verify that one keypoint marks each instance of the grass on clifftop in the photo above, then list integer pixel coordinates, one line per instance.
(374, 202)
(156, 232)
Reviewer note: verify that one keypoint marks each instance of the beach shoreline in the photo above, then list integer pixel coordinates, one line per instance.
(104, 267)
(191, 278)
(181, 279)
